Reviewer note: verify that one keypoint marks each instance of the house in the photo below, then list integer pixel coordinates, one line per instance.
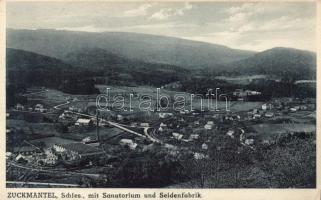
(177, 136)
(144, 124)
(199, 156)
(8, 155)
(256, 116)
(26, 150)
(174, 85)
(129, 143)
(210, 122)
(269, 114)
(21, 159)
(170, 147)
(89, 140)
(120, 117)
(204, 146)
(194, 137)
(208, 126)
(51, 158)
(266, 106)
(249, 141)
(165, 115)
(230, 133)
(250, 92)
(293, 109)
(303, 107)
(72, 108)
(297, 107)
(78, 150)
(84, 122)
(240, 93)
(39, 108)
(20, 107)
(39, 105)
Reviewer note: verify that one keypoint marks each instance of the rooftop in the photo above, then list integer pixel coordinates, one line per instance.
(83, 121)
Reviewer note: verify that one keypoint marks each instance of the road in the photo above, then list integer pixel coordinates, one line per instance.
(63, 104)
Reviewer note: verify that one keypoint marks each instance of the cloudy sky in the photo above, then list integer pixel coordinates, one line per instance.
(251, 26)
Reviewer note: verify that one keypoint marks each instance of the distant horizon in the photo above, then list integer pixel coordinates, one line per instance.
(255, 26)
(235, 48)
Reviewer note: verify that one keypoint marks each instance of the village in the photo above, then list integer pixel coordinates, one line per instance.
(93, 145)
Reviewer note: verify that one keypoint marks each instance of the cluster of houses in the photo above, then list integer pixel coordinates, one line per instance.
(182, 128)
(37, 108)
(242, 95)
(76, 152)
(277, 107)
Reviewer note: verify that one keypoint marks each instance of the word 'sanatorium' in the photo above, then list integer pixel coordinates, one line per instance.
(162, 102)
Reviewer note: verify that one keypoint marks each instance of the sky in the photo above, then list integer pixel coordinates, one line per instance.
(248, 26)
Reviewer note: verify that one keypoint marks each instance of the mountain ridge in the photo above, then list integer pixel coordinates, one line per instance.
(85, 50)
(279, 61)
(143, 47)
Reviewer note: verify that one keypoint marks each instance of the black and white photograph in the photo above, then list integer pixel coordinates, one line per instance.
(168, 95)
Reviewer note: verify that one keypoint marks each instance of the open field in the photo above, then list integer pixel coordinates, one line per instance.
(268, 131)
(242, 80)
(50, 141)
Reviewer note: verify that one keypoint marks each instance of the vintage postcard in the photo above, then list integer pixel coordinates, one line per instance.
(160, 100)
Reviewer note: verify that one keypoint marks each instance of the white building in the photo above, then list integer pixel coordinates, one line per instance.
(230, 133)
(177, 136)
(129, 143)
(39, 108)
(194, 137)
(199, 156)
(204, 146)
(208, 126)
(144, 124)
(269, 114)
(20, 107)
(293, 109)
(210, 122)
(120, 117)
(83, 122)
(256, 116)
(165, 115)
(267, 106)
(249, 141)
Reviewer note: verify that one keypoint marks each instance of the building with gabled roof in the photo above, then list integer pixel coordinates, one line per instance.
(84, 122)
